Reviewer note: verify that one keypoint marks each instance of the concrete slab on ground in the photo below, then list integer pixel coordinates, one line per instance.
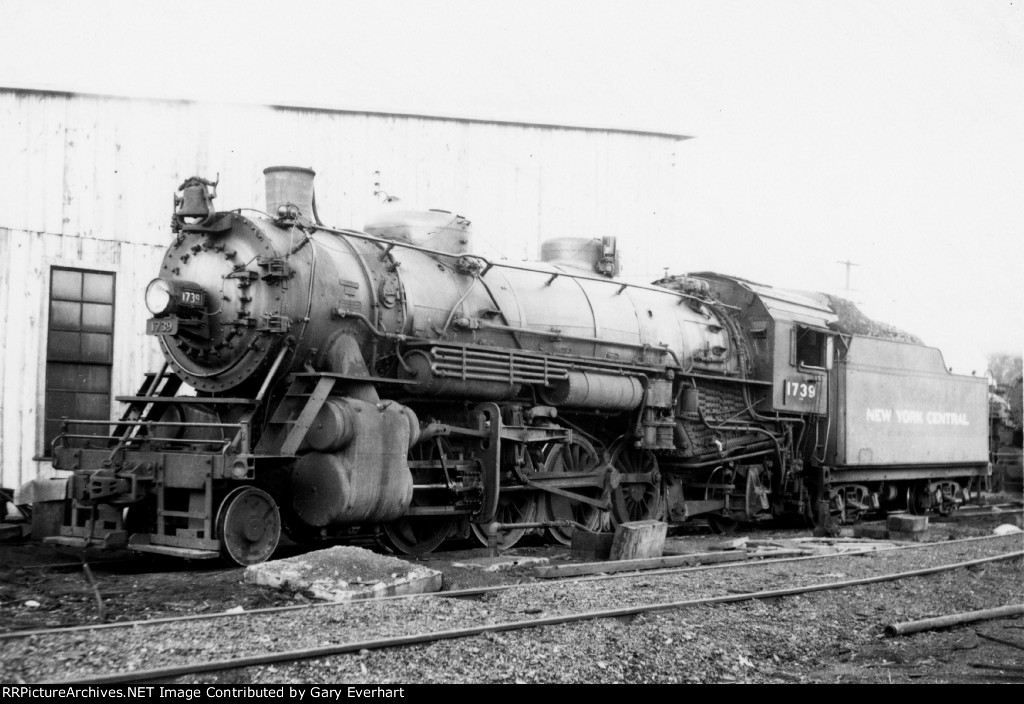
(907, 523)
(502, 562)
(345, 573)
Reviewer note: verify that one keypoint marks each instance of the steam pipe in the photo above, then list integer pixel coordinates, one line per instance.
(341, 313)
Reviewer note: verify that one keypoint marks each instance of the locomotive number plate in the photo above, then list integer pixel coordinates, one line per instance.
(162, 326)
(801, 390)
(195, 299)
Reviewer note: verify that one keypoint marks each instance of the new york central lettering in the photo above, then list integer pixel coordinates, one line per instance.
(879, 415)
(910, 416)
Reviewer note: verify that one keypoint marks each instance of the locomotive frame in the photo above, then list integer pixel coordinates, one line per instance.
(352, 383)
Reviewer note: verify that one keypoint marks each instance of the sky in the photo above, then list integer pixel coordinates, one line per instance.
(889, 134)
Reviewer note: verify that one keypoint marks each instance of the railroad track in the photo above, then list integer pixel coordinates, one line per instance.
(193, 645)
(474, 592)
(994, 510)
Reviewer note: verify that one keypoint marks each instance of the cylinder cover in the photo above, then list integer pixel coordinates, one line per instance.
(367, 480)
(333, 428)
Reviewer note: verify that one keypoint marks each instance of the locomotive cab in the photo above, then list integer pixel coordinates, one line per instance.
(792, 344)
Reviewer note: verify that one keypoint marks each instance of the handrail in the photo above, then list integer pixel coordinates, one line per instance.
(184, 399)
(151, 423)
(181, 441)
(489, 264)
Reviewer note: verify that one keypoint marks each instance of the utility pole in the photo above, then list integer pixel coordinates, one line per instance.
(848, 264)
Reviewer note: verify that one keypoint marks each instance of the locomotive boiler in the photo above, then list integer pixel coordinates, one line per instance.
(392, 382)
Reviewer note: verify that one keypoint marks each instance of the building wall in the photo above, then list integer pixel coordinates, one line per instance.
(87, 182)
(26, 261)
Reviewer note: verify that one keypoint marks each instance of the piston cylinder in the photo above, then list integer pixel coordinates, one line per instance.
(333, 428)
(368, 479)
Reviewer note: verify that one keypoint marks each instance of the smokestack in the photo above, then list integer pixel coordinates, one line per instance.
(290, 193)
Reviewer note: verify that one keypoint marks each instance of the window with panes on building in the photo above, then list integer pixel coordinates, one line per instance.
(79, 351)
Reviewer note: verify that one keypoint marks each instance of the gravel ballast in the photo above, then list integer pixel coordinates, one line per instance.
(797, 638)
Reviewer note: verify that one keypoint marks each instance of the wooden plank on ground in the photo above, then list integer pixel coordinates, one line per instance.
(780, 552)
(651, 563)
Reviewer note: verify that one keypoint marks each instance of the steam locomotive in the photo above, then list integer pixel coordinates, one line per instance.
(1006, 437)
(332, 382)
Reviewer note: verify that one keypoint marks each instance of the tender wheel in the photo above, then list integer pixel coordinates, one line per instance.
(638, 497)
(941, 497)
(918, 499)
(577, 456)
(419, 535)
(513, 507)
(249, 526)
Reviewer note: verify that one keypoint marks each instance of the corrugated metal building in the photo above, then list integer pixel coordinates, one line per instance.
(86, 185)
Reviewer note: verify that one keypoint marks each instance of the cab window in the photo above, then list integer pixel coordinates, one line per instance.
(812, 348)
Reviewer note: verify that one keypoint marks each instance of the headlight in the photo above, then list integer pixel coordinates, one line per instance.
(158, 296)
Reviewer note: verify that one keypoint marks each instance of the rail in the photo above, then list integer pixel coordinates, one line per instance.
(477, 591)
(434, 636)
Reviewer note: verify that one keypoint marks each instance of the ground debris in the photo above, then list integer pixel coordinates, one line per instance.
(826, 636)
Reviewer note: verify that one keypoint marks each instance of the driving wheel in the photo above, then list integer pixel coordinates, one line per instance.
(638, 496)
(578, 456)
(513, 507)
(418, 535)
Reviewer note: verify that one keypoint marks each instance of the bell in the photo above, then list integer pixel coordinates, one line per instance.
(194, 202)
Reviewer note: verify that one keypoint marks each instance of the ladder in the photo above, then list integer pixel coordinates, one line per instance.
(155, 385)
